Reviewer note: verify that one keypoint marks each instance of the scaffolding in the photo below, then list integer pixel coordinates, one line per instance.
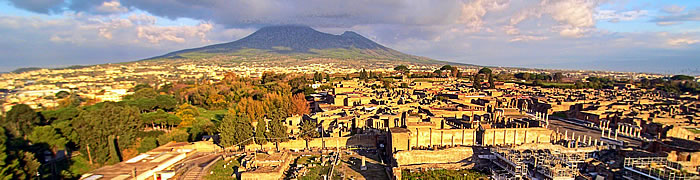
(656, 168)
(540, 163)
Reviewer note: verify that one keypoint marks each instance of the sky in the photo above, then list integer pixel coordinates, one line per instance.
(661, 36)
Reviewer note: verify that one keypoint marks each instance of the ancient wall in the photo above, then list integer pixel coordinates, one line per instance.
(330, 142)
(449, 155)
(427, 137)
(503, 136)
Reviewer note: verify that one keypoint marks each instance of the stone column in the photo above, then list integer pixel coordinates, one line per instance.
(430, 142)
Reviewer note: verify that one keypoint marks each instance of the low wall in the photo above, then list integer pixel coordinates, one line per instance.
(449, 155)
(316, 143)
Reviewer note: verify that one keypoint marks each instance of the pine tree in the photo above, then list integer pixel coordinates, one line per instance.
(236, 130)
(260, 130)
(277, 133)
(308, 131)
(6, 164)
(20, 120)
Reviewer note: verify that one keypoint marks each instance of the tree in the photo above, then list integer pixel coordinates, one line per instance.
(235, 130)
(62, 94)
(363, 74)
(21, 119)
(49, 136)
(487, 71)
(201, 128)
(277, 133)
(7, 165)
(309, 130)
(476, 82)
(299, 105)
(254, 109)
(402, 69)
(148, 93)
(166, 102)
(682, 77)
(187, 113)
(141, 86)
(99, 122)
(260, 131)
(437, 72)
(558, 76)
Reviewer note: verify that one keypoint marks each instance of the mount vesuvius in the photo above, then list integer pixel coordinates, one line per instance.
(299, 41)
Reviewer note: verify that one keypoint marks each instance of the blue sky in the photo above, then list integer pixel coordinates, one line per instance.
(626, 35)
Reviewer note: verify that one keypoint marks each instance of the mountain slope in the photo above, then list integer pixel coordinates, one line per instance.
(299, 41)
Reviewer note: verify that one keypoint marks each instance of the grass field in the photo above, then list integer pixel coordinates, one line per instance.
(218, 171)
(443, 174)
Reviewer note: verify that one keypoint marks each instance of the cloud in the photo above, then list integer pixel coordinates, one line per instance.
(87, 39)
(111, 7)
(682, 41)
(678, 18)
(573, 17)
(39, 6)
(673, 9)
(615, 16)
(528, 38)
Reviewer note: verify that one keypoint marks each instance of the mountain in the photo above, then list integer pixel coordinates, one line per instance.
(299, 41)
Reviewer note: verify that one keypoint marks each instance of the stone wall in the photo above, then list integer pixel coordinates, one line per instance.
(422, 138)
(516, 136)
(316, 143)
(449, 155)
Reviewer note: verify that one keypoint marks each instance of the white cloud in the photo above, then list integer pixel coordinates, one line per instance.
(574, 17)
(528, 38)
(673, 9)
(615, 16)
(682, 41)
(111, 7)
(472, 13)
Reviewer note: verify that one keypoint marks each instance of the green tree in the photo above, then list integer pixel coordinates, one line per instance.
(21, 119)
(48, 135)
(682, 77)
(403, 69)
(363, 74)
(7, 165)
(260, 131)
(277, 132)
(558, 76)
(476, 82)
(309, 130)
(437, 72)
(95, 126)
(148, 93)
(201, 128)
(487, 71)
(235, 130)
(62, 94)
(166, 102)
(141, 86)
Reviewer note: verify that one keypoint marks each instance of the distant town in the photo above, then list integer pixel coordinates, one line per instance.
(256, 120)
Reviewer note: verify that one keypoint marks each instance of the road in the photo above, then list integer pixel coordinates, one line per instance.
(582, 130)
